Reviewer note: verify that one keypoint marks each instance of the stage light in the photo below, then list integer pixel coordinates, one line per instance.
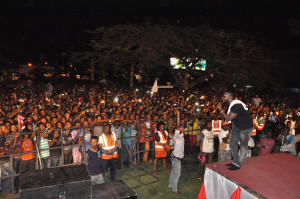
(197, 103)
(116, 99)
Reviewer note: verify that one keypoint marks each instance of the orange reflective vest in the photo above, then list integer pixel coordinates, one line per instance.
(108, 146)
(261, 123)
(182, 132)
(253, 133)
(163, 140)
(216, 127)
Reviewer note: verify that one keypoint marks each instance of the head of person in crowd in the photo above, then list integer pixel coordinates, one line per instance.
(3, 129)
(107, 129)
(269, 134)
(161, 126)
(26, 133)
(208, 125)
(94, 141)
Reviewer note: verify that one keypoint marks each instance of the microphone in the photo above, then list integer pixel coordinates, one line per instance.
(217, 107)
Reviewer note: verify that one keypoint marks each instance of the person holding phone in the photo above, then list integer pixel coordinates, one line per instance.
(286, 140)
(176, 156)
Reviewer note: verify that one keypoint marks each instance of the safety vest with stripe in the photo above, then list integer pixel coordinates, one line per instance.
(182, 132)
(163, 140)
(253, 133)
(260, 123)
(108, 146)
(216, 127)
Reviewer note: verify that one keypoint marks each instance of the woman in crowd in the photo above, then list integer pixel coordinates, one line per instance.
(161, 146)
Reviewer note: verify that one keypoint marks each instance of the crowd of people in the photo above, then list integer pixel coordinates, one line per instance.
(49, 125)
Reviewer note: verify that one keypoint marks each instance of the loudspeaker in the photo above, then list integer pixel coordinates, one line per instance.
(113, 190)
(63, 182)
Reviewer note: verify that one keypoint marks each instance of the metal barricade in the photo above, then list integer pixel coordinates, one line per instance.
(134, 154)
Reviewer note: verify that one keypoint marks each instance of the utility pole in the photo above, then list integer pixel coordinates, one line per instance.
(93, 69)
(131, 75)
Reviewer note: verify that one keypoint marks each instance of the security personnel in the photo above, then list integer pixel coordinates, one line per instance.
(109, 144)
(161, 146)
(216, 127)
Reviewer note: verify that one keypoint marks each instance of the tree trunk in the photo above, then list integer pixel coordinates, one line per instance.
(131, 75)
(185, 82)
(93, 69)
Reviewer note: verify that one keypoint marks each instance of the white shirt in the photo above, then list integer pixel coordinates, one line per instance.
(223, 134)
(256, 101)
(208, 141)
(178, 151)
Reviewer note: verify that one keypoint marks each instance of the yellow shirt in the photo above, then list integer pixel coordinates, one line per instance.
(194, 128)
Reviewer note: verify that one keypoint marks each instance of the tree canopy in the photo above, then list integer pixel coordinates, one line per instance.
(232, 57)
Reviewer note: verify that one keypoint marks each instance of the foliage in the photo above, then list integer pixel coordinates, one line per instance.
(148, 48)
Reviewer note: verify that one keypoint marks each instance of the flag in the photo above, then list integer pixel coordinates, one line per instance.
(154, 87)
(236, 194)
(202, 192)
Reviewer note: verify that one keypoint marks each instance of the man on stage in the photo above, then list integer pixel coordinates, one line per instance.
(241, 128)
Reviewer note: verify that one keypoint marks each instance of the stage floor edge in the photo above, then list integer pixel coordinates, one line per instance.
(274, 176)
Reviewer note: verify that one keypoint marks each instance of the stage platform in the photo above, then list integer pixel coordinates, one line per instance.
(275, 176)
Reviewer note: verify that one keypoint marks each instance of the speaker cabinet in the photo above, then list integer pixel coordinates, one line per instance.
(64, 182)
(113, 190)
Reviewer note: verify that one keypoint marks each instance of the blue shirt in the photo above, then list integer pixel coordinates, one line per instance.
(50, 88)
(87, 139)
(290, 138)
(127, 134)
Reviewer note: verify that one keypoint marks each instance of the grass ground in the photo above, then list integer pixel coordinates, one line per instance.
(149, 186)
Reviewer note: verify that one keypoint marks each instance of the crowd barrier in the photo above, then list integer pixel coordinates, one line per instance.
(134, 154)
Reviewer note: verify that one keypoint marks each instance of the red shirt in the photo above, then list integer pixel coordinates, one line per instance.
(27, 145)
(143, 131)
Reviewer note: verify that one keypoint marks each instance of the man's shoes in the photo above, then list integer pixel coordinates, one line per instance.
(233, 168)
(232, 164)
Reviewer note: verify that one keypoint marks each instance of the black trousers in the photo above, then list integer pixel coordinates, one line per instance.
(141, 148)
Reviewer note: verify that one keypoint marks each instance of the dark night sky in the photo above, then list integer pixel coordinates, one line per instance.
(33, 29)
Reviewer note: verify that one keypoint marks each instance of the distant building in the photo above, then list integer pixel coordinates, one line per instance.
(16, 71)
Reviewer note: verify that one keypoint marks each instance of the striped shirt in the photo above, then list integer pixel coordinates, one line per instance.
(44, 145)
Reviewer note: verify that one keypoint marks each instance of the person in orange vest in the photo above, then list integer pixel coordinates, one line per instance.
(216, 124)
(261, 120)
(161, 146)
(255, 125)
(216, 127)
(109, 144)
